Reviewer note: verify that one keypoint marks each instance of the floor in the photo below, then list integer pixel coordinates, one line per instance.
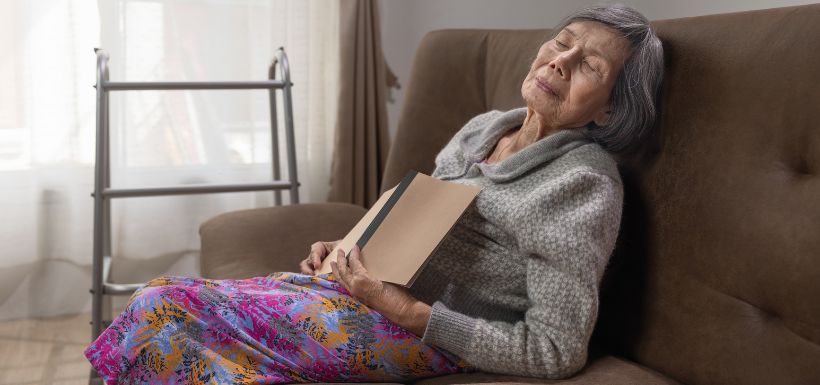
(45, 351)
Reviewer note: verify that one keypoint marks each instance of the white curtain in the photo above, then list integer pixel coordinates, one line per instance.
(159, 138)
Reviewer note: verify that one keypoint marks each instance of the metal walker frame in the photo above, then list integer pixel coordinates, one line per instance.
(103, 193)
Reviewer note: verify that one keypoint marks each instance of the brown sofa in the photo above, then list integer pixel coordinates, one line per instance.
(716, 276)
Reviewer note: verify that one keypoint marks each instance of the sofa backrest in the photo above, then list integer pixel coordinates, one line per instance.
(716, 275)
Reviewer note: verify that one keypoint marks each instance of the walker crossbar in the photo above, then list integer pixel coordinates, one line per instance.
(194, 189)
(103, 193)
(144, 86)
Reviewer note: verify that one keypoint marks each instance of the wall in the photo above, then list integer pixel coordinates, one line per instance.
(404, 22)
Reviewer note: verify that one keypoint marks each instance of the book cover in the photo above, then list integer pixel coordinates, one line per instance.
(405, 226)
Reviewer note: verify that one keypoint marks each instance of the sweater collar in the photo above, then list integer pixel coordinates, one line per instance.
(478, 145)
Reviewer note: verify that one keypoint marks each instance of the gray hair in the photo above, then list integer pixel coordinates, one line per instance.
(636, 93)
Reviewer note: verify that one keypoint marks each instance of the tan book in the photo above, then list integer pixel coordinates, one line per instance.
(405, 226)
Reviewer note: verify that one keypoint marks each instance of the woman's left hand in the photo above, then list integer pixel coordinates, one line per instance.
(392, 301)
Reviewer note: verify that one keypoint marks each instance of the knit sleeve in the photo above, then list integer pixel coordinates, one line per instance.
(568, 233)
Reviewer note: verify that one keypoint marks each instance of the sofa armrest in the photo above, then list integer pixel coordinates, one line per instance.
(257, 242)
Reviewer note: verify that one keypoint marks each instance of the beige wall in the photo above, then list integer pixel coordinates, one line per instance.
(404, 22)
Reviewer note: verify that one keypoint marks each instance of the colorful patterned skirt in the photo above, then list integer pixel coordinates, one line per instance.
(282, 328)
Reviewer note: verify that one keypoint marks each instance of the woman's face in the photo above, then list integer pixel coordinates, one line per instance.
(571, 79)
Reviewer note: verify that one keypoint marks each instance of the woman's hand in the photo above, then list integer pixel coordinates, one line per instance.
(356, 279)
(392, 301)
(318, 253)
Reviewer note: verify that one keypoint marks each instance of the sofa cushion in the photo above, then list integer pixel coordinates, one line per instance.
(606, 370)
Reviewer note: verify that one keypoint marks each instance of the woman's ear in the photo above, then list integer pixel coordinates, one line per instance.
(602, 117)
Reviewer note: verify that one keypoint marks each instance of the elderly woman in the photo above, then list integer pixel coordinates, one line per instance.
(513, 288)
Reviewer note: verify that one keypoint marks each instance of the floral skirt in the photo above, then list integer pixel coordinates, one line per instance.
(282, 328)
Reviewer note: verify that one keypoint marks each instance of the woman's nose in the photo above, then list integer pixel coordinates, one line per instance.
(562, 63)
(559, 68)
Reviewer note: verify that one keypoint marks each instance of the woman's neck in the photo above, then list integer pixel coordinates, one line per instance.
(533, 129)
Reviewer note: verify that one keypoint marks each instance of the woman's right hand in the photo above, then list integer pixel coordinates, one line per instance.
(318, 252)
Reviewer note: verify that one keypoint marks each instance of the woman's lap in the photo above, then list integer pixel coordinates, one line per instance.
(285, 327)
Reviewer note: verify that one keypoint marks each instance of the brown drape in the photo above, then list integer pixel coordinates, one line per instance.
(361, 142)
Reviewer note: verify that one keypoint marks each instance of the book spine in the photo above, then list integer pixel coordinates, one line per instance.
(374, 225)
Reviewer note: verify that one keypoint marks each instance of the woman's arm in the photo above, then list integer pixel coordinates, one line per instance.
(567, 235)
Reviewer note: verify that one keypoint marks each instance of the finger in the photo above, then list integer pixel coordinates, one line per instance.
(325, 252)
(305, 267)
(316, 260)
(355, 260)
(334, 268)
(341, 260)
(316, 246)
(317, 250)
(328, 246)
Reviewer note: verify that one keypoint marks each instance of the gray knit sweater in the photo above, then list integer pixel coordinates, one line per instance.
(514, 286)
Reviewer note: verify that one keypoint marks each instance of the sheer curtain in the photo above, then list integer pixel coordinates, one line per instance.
(158, 138)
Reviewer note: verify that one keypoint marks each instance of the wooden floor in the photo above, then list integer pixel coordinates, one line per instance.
(45, 351)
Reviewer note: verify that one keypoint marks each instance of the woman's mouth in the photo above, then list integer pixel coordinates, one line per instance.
(545, 87)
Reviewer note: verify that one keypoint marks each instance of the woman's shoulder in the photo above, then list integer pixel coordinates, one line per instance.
(468, 141)
(479, 123)
(589, 158)
(483, 118)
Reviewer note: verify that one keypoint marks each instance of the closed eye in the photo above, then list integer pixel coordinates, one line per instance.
(590, 66)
